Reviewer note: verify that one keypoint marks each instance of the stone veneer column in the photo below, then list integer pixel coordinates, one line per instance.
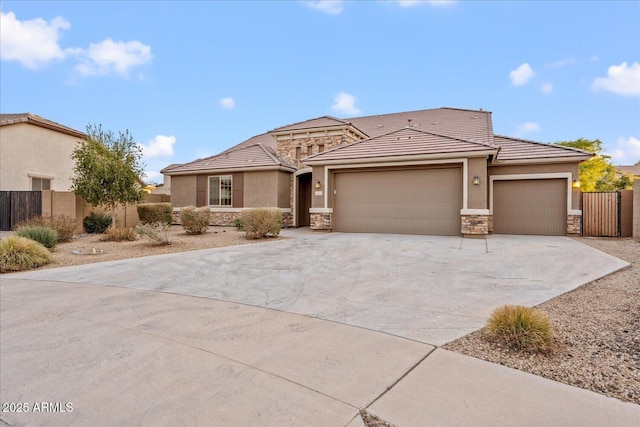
(574, 224)
(474, 225)
(321, 221)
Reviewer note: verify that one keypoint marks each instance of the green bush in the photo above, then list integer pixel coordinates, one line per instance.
(46, 236)
(20, 253)
(97, 222)
(64, 225)
(238, 223)
(157, 232)
(521, 328)
(120, 234)
(262, 222)
(149, 213)
(195, 220)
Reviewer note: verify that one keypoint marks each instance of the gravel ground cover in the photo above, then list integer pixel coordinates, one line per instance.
(63, 254)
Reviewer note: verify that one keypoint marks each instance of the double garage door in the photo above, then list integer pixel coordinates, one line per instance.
(420, 201)
(531, 206)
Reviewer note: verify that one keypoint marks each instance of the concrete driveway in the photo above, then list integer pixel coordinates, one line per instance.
(431, 289)
(301, 331)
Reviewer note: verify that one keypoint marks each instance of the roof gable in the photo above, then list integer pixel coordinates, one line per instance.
(12, 119)
(318, 122)
(254, 156)
(402, 142)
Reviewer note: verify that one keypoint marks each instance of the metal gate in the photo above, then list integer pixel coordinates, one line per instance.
(18, 206)
(601, 214)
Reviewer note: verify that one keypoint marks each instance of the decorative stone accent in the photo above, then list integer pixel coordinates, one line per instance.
(475, 224)
(228, 219)
(321, 221)
(288, 146)
(287, 219)
(490, 223)
(574, 223)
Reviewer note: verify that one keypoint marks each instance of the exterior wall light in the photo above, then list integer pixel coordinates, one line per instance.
(575, 183)
(476, 180)
(318, 185)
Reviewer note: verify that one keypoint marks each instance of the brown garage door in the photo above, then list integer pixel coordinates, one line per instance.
(535, 206)
(425, 201)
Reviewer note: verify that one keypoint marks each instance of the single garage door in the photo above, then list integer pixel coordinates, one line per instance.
(423, 201)
(535, 206)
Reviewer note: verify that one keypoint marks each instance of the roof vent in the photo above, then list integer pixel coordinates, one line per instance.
(409, 120)
(380, 126)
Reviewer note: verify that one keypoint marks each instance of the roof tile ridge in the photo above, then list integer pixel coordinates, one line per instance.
(394, 114)
(471, 110)
(485, 144)
(268, 153)
(546, 144)
(309, 120)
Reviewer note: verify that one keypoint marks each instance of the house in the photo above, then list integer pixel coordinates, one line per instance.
(438, 171)
(35, 153)
(633, 171)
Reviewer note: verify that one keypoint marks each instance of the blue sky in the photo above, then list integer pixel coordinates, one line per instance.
(190, 79)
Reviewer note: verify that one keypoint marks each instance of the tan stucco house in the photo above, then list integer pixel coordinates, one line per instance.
(439, 171)
(35, 153)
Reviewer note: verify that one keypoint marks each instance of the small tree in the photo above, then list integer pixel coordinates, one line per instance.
(597, 173)
(108, 169)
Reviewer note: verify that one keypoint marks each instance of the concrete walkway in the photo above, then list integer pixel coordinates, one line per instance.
(156, 341)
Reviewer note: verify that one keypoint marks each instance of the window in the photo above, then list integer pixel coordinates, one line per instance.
(220, 190)
(39, 184)
(309, 150)
(298, 153)
(320, 148)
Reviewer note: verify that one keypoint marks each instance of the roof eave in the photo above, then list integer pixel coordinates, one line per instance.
(404, 158)
(572, 159)
(231, 170)
(30, 119)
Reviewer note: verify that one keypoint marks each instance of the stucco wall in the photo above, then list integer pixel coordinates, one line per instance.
(183, 190)
(636, 209)
(261, 189)
(29, 151)
(284, 189)
(477, 194)
(542, 168)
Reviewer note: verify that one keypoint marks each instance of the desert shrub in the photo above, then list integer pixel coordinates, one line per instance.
(120, 234)
(64, 225)
(20, 253)
(96, 222)
(521, 328)
(157, 232)
(149, 213)
(46, 236)
(195, 220)
(238, 223)
(259, 223)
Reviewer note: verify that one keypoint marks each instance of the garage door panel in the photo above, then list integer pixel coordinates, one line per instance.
(536, 206)
(423, 201)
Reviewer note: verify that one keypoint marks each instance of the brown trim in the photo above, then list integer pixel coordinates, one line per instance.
(237, 182)
(201, 190)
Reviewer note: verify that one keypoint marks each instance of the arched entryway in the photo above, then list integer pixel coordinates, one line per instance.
(303, 200)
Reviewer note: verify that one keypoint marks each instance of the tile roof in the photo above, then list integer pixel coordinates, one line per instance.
(403, 142)
(521, 149)
(632, 170)
(12, 119)
(318, 122)
(470, 125)
(255, 156)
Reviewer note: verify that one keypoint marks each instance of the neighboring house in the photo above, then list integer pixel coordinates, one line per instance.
(632, 171)
(35, 153)
(440, 171)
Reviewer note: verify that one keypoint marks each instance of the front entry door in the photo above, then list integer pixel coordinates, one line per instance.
(304, 200)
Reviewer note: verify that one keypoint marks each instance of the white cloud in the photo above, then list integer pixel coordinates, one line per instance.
(330, 7)
(521, 75)
(621, 79)
(626, 151)
(562, 62)
(33, 43)
(108, 56)
(159, 146)
(546, 88)
(437, 3)
(526, 128)
(228, 103)
(345, 104)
